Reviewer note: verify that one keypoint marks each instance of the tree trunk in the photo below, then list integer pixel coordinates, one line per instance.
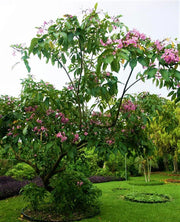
(175, 162)
(165, 161)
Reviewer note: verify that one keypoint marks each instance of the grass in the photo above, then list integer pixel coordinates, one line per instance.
(114, 208)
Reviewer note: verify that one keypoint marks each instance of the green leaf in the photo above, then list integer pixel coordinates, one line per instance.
(177, 74)
(34, 42)
(96, 5)
(143, 61)
(150, 72)
(170, 94)
(25, 130)
(165, 74)
(123, 55)
(109, 59)
(115, 65)
(63, 58)
(133, 63)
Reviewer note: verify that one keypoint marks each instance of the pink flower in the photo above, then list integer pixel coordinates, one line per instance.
(62, 136)
(43, 128)
(110, 142)
(170, 56)
(64, 120)
(58, 135)
(35, 129)
(39, 121)
(79, 183)
(102, 43)
(86, 133)
(107, 74)
(76, 137)
(40, 31)
(70, 87)
(158, 45)
(14, 53)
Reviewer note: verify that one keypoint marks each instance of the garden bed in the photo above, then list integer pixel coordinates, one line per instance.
(147, 197)
(172, 181)
(47, 215)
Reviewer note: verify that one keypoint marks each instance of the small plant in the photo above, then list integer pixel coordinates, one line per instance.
(34, 195)
(21, 171)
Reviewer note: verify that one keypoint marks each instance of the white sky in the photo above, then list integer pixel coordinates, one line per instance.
(18, 18)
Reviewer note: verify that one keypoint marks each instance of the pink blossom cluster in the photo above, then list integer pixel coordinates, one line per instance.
(49, 111)
(131, 38)
(39, 121)
(30, 108)
(70, 87)
(42, 129)
(96, 113)
(62, 136)
(135, 33)
(159, 45)
(85, 133)
(129, 106)
(12, 131)
(43, 28)
(10, 101)
(80, 183)
(110, 142)
(96, 122)
(76, 137)
(170, 56)
(63, 118)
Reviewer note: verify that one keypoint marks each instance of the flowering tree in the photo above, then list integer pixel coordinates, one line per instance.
(52, 126)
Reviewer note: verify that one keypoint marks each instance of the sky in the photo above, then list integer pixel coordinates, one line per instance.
(158, 19)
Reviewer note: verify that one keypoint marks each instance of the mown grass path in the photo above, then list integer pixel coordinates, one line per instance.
(114, 208)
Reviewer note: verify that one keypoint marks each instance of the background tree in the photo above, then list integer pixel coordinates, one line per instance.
(164, 131)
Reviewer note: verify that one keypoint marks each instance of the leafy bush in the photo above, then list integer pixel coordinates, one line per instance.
(74, 192)
(21, 171)
(34, 194)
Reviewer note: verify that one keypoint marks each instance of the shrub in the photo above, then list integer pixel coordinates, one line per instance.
(34, 194)
(74, 192)
(21, 171)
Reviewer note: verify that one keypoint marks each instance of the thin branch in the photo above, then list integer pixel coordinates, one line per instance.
(120, 102)
(28, 162)
(66, 73)
(133, 84)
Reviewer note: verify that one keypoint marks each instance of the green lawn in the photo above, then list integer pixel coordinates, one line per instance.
(114, 208)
